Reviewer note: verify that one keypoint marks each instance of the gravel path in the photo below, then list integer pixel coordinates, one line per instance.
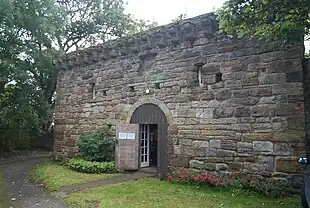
(20, 191)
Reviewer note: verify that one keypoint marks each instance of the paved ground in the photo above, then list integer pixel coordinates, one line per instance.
(20, 191)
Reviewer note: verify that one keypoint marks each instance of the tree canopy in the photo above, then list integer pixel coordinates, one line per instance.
(34, 33)
(266, 19)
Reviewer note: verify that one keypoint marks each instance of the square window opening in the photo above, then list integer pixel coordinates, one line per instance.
(132, 88)
(157, 85)
(218, 77)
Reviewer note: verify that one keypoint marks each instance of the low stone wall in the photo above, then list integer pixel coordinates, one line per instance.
(236, 105)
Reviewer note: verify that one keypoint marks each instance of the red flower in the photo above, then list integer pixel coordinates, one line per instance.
(170, 178)
(187, 172)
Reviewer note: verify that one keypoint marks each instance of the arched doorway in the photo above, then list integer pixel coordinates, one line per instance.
(153, 130)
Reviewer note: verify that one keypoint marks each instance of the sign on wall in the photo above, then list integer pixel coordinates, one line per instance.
(123, 135)
(127, 146)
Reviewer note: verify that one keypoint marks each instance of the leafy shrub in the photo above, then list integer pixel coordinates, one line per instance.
(59, 158)
(270, 188)
(97, 146)
(85, 166)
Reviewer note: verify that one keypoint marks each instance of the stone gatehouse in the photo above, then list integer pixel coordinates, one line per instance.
(199, 99)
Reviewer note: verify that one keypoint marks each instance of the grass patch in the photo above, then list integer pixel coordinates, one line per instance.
(155, 193)
(53, 175)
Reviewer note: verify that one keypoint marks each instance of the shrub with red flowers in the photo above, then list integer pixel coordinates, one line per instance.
(257, 184)
(202, 178)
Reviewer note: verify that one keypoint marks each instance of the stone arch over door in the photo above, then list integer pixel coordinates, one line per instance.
(152, 111)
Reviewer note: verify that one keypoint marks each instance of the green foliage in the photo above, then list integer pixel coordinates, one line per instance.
(179, 18)
(136, 26)
(34, 33)
(85, 166)
(266, 19)
(27, 32)
(267, 187)
(97, 146)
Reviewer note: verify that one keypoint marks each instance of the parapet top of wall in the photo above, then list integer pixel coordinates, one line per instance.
(147, 42)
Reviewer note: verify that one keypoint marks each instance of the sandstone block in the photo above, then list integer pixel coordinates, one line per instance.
(296, 76)
(253, 167)
(244, 158)
(210, 152)
(247, 101)
(228, 145)
(261, 91)
(223, 94)
(177, 150)
(288, 165)
(215, 144)
(221, 167)
(262, 146)
(262, 111)
(241, 93)
(243, 112)
(191, 151)
(244, 147)
(200, 144)
(211, 68)
(236, 166)
(225, 153)
(273, 78)
(223, 112)
(282, 149)
(209, 95)
(241, 127)
(265, 159)
(284, 109)
(209, 166)
(287, 88)
(196, 164)
(180, 161)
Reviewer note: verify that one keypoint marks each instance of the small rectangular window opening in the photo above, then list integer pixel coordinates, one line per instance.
(218, 77)
(157, 85)
(104, 92)
(132, 88)
(93, 89)
(199, 74)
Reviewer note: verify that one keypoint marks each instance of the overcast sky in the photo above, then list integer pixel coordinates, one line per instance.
(163, 11)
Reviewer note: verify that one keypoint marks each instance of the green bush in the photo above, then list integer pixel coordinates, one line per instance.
(97, 146)
(85, 166)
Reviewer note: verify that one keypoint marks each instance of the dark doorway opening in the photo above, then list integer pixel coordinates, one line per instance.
(153, 137)
(153, 144)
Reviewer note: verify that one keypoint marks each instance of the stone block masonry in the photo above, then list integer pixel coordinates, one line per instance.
(236, 105)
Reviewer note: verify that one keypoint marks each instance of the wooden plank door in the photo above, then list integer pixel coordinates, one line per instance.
(145, 145)
(127, 147)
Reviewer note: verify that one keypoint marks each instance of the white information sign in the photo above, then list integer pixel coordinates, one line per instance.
(122, 135)
(131, 135)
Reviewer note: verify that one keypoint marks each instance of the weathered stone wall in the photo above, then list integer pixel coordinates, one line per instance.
(248, 116)
(306, 67)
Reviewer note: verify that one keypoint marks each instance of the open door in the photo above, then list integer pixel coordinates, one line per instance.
(127, 147)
